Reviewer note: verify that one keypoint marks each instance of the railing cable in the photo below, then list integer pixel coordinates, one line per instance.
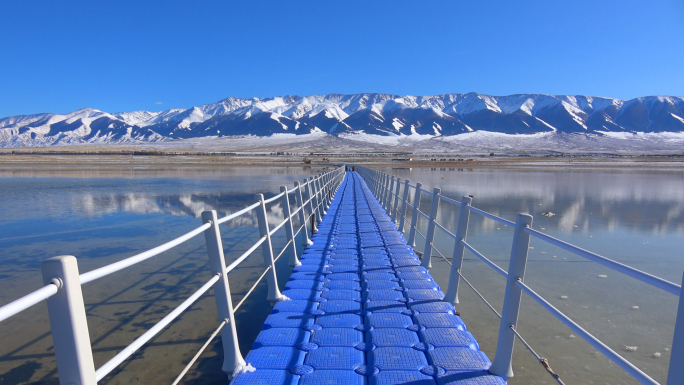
(148, 335)
(251, 289)
(199, 353)
(543, 361)
(440, 254)
(282, 251)
(458, 271)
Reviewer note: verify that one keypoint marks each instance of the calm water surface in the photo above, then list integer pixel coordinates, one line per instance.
(633, 216)
(102, 216)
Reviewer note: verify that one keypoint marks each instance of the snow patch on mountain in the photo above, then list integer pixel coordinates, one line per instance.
(408, 118)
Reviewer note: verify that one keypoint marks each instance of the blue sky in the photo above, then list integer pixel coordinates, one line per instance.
(131, 55)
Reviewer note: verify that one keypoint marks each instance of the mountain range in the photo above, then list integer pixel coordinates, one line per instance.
(375, 115)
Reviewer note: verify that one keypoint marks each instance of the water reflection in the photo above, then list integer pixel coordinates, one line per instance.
(102, 216)
(650, 202)
(633, 216)
(179, 205)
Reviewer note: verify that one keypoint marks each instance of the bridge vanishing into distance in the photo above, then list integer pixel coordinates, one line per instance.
(360, 306)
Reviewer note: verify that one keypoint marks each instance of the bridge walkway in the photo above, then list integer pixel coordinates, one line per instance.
(363, 311)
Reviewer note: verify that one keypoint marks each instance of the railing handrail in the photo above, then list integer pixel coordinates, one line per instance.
(383, 187)
(595, 342)
(130, 261)
(25, 302)
(642, 276)
(150, 333)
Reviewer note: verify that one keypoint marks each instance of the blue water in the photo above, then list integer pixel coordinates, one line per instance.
(103, 219)
(633, 216)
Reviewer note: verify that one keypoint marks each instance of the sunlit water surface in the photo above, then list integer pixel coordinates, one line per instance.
(102, 216)
(633, 216)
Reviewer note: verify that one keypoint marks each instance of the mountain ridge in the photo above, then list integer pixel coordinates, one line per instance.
(374, 114)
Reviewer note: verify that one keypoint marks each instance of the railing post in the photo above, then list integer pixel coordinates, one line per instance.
(321, 192)
(380, 177)
(371, 178)
(675, 375)
(274, 294)
(502, 365)
(451, 295)
(68, 323)
(377, 178)
(430, 236)
(319, 208)
(385, 193)
(396, 202)
(289, 231)
(308, 188)
(381, 183)
(373, 175)
(404, 204)
(302, 214)
(389, 197)
(414, 217)
(327, 191)
(232, 357)
(324, 191)
(314, 197)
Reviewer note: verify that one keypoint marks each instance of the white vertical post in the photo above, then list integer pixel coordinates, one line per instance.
(321, 194)
(381, 182)
(675, 375)
(385, 193)
(289, 231)
(328, 194)
(414, 217)
(371, 175)
(321, 183)
(319, 198)
(389, 197)
(451, 295)
(232, 357)
(381, 193)
(314, 198)
(326, 188)
(502, 365)
(274, 294)
(68, 322)
(377, 180)
(430, 236)
(396, 202)
(308, 188)
(378, 183)
(302, 214)
(404, 204)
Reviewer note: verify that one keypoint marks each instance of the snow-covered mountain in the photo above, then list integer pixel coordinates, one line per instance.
(346, 115)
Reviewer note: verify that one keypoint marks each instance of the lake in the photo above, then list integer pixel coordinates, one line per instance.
(102, 215)
(635, 216)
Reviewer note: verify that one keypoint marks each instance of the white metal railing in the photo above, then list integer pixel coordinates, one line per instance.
(64, 297)
(391, 198)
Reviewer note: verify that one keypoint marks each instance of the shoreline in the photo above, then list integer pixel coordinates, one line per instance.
(49, 159)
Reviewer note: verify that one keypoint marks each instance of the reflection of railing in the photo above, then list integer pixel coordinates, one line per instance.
(66, 309)
(389, 192)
